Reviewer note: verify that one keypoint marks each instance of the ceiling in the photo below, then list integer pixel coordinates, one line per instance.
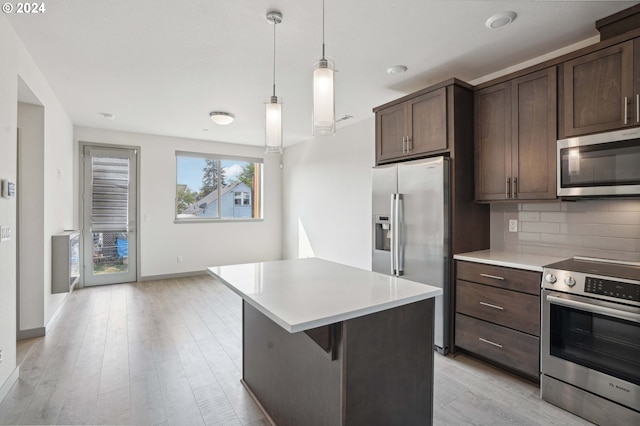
(160, 66)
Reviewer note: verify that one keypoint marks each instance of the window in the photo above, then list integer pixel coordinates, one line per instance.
(214, 187)
(242, 199)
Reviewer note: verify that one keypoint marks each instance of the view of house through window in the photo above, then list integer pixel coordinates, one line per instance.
(217, 187)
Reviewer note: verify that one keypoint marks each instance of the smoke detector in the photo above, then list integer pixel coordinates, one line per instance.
(500, 20)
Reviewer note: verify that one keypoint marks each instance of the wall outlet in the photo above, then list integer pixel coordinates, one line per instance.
(179, 259)
(513, 225)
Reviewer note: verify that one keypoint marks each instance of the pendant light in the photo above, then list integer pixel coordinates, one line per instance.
(324, 121)
(273, 118)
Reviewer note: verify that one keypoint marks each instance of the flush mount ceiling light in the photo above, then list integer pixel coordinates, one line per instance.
(501, 20)
(396, 70)
(222, 118)
(273, 123)
(324, 119)
(108, 116)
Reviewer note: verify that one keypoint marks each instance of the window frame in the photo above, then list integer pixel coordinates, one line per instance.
(220, 158)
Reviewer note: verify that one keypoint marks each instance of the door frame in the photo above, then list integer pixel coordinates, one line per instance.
(82, 145)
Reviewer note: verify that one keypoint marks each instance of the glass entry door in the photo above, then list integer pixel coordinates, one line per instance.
(109, 215)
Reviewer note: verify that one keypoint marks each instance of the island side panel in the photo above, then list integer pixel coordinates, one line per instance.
(292, 377)
(388, 358)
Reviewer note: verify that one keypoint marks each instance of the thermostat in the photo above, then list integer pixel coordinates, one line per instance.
(8, 188)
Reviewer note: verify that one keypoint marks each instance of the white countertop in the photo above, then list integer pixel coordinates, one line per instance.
(531, 262)
(302, 294)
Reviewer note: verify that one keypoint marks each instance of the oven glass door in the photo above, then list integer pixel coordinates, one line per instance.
(599, 341)
(598, 165)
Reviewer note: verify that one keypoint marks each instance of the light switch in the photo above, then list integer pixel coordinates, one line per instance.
(5, 233)
(8, 188)
(513, 225)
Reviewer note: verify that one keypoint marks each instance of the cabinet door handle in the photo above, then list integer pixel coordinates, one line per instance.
(403, 145)
(515, 187)
(409, 145)
(638, 108)
(492, 306)
(490, 342)
(495, 277)
(508, 189)
(625, 109)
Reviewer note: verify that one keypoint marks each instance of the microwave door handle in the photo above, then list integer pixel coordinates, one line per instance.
(595, 309)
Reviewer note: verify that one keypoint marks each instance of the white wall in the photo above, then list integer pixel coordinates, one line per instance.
(327, 196)
(57, 207)
(31, 212)
(8, 170)
(200, 244)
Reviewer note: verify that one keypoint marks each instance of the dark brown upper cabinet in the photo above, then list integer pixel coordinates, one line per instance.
(601, 91)
(515, 139)
(412, 128)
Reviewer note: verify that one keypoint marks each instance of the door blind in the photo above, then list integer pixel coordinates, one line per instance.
(110, 189)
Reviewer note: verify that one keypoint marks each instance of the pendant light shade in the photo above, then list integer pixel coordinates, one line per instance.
(273, 120)
(324, 117)
(324, 122)
(273, 108)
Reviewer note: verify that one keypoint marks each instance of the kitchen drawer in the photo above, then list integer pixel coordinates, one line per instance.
(504, 307)
(498, 276)
(513, 349)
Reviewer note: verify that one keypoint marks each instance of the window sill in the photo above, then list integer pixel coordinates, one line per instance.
(181, 221)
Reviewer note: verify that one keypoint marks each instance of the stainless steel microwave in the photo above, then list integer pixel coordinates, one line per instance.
(600, 165)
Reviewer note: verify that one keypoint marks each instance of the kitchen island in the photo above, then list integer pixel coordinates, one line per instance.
(329, 344)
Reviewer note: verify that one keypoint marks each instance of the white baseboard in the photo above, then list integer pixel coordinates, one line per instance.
(30, 333)
(172, 276)
(6, 387)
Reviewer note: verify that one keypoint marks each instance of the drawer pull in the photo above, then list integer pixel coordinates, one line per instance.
(490, 342)
(491, 306)
(495, 277)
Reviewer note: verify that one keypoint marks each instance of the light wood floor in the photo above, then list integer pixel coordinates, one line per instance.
(169, 352)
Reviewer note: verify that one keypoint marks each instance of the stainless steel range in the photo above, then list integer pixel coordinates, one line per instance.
(590, 345)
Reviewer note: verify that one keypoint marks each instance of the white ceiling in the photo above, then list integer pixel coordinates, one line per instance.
(160, 66)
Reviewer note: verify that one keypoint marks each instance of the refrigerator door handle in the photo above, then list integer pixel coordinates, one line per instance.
(396, 218)
(399, 237)
(392, 231)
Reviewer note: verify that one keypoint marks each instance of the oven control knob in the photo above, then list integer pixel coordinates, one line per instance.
(550, 278)
(570, 281)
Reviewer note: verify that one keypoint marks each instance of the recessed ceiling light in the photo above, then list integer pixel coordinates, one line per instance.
(396, 70)
(108, 116)
(222, 118)
(501, 19)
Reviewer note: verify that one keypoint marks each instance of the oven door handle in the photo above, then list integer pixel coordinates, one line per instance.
(596, 309)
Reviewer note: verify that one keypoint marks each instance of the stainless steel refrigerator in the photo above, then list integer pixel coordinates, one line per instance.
(411, 229)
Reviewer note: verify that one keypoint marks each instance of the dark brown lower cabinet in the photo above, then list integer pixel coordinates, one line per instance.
(498, 316)
(381, 372)
(514, 349)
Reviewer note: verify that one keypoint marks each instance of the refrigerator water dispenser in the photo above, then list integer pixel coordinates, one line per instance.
(382, 233)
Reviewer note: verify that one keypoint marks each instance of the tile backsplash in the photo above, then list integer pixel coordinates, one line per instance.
(597, 228)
